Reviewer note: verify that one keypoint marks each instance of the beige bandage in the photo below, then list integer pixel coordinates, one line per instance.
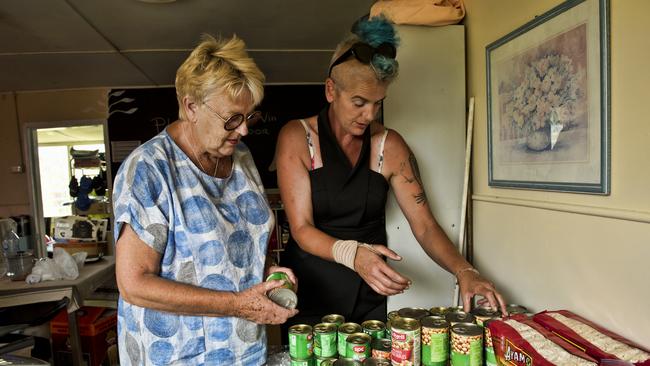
(344, 252)
(471, 269)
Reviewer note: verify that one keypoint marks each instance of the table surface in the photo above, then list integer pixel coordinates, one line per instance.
(91, 276)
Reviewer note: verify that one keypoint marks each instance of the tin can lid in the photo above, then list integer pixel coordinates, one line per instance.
(466, 329)
(433, 321)
(416, 313)
(284, 297)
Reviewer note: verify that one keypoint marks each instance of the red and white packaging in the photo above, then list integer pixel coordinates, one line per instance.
(519, 341)
(598, 342)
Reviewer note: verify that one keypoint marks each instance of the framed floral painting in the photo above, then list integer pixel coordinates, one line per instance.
(548, 102)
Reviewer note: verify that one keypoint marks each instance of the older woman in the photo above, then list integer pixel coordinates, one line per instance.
(193, 224)
(334, 172)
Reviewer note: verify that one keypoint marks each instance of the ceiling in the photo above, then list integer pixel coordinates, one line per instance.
(63, 44)
(76, 135)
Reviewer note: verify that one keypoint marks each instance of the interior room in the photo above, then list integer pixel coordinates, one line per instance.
(551, 213)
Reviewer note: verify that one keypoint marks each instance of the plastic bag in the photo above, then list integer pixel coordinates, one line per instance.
(62, 267)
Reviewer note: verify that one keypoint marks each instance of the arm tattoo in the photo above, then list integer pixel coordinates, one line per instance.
(420, 198)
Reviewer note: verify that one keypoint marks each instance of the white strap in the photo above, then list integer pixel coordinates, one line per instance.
(310, 143)
(380, 163)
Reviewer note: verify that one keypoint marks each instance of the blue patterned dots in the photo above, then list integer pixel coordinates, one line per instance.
(146, 187)
(193, 347)
(237, 181)
(222, 356)
(253, 207)
(185, 178)
(229, 212)
(192, 322)
(218, 282)
(181, 243)
(211, 253)
(199, 215)
(248, 281)
(219, 329)
(160, 352)
(254, 355)
(240, 248)
(264, 241)
(163, 325)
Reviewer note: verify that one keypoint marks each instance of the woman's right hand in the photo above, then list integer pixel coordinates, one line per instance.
(377, 273)
(253, 304)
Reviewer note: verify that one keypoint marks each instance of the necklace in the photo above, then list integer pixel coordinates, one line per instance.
(216, 166)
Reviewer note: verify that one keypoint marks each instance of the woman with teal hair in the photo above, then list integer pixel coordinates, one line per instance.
(334, 173)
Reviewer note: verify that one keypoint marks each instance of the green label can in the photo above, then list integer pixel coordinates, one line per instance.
(300, 342)
(306, 362)
(490, 357)
(357, 346)
(333, 318)
(466, 345)
(325, 361)
(435, 341)
(344, 331)
(374, 328)
(325, 340)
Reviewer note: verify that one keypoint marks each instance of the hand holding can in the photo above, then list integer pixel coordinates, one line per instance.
(283, 295)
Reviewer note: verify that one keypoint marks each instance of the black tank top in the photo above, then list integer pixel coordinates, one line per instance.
(348, 202)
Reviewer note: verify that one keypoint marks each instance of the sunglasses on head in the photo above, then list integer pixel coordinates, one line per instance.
(364, 53)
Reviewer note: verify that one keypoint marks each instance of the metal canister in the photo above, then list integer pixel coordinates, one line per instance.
(325, 361)
(372, 361)
(435, 341)
(300, 342)
(305, 362)
(344, 331)
(439, 310)
(513, 309)
(490, 357)
(325, 340)
(374, 328)
(484, 314)
(357, 346)
(466, 345)
(284, 295)
(392, 315)
(333, 318)
(380, 348)
(405, 342)
(459, 316)
(342, 361)
(415, 313)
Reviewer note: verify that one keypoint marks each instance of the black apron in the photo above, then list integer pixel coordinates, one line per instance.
(348, 203)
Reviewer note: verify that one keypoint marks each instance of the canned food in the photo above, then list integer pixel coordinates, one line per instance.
(490, 357)
(392, 315)
(415, 313)
(333, 318)
(380, 348)
(325, 361)
(344, 331)
(374, 328)
(484, 314)
(435, 341)
(283, 295)
(513, 309)
(325, 340)
(300, 342)
(342, 361)
(459, 316)
(372, 361)
(405, 345)
(306, 362)
(439, 310)
(466, 345)
(357, 346)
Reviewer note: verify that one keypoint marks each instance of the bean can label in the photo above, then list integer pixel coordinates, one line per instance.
(357, 346)
(380, 348)
(344, 331)
(435, 341)
(325, 340)
(490, 357)
(466, 345)
(300, 342)
(405, 342)
(374, 328)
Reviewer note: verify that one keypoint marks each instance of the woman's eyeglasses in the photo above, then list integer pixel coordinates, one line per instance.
(234, 121)
(364, 53)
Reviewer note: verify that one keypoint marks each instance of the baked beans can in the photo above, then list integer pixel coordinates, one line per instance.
(466, 345)
(415, 313)
(490, 357)
(283, 295)
(439, 310)
(380, 348)
(301, 342)
(343, 361)
(372, 361)
(513, 309)
(374, 328)
(325, 361)
(344, 331)
(337, 319)
(357, 346)
(405, 342)
(325, 340)
(459, 316)
(306, 362)
(484, 314)
(392, 315)
(435, 341)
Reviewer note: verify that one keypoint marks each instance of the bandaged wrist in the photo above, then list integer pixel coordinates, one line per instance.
(471, 269)
(344, 252)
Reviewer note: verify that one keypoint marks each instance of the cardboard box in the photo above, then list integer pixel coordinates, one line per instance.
(98, 331)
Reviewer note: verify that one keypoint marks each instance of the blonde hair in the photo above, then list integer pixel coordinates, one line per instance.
(217, 65)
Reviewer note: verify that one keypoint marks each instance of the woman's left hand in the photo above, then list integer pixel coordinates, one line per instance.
(287, 271)
(472, 283)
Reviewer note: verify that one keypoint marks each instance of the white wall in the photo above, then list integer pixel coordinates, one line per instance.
(585, 253)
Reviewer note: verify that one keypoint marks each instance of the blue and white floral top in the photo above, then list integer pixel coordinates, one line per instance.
(212, 233)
